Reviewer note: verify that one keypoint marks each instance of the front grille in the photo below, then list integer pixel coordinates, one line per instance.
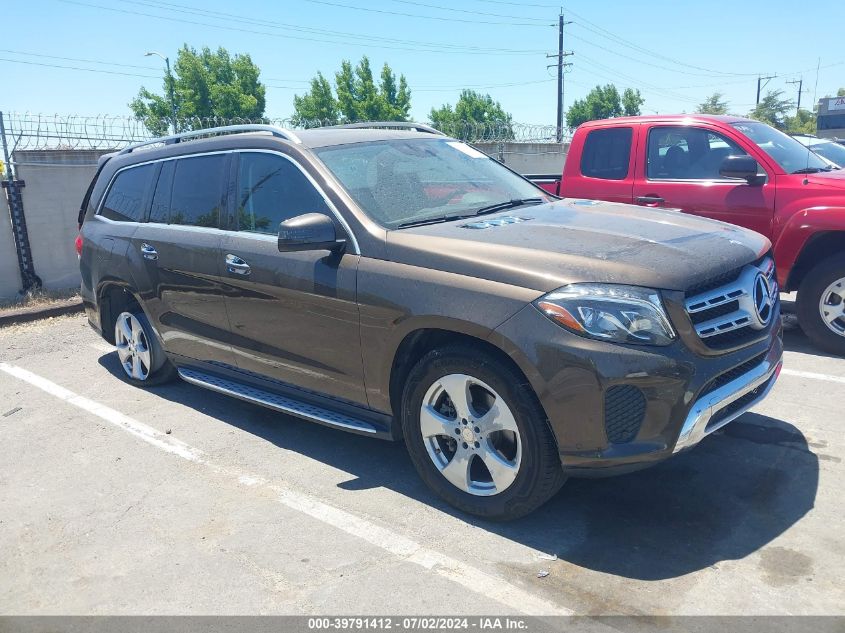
(731, 309)
(732, 374)
(624, 408)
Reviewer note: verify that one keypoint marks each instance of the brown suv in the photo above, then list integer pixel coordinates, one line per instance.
(398, 283)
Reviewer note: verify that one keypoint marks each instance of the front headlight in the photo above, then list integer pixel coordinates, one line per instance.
(621, 314)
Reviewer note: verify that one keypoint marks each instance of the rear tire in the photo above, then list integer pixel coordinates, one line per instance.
(490, 452)
(142, 359)
(821, 305)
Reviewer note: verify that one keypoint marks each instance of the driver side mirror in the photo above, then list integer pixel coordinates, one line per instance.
(742, 167)
(309, 232)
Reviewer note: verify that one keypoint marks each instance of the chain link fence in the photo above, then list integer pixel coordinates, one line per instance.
(25, 131)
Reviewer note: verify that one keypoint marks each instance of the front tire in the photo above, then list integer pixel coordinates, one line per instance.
(821, 305)
(143, 361)
(477, 434)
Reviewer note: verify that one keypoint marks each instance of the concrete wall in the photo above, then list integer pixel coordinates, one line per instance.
(56, 181)
(529, 158)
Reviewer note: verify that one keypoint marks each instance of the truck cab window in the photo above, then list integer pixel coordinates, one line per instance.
(607, 153)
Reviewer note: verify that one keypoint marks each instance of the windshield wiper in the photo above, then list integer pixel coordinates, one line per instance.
(435, 220)
(508, 204)
(807, 170)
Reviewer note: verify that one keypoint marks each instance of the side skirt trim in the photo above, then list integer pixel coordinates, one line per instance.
(274, 401)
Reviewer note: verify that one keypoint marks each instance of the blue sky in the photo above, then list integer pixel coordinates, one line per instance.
(675, 53)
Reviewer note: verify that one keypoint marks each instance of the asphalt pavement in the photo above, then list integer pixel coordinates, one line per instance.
(177, 500)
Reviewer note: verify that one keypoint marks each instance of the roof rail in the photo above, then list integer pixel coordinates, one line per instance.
(215, 131)
(401, 125)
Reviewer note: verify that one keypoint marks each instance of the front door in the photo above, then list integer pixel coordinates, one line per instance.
(180, 262)
(681, 171)
(294, 316)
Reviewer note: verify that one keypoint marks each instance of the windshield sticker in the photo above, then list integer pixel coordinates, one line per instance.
(466, 149)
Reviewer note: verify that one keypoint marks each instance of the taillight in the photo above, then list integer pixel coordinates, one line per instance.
(78, 244)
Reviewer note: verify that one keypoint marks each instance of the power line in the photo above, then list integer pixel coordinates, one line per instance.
(230, 17)
(419, 16)
(286, 36)
(75, 59)
(494, 15)
(90, 70)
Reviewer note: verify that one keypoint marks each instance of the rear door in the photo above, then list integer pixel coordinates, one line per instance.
(294, 315)
(178, 262)
(681, 171)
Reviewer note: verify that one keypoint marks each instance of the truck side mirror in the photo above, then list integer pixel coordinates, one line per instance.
(742, 167)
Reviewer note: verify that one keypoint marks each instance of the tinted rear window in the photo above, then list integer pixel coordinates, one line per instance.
(125, 200)
(606, 153)
(197, 195)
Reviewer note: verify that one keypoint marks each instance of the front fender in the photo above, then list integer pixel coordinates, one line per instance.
(797, 231)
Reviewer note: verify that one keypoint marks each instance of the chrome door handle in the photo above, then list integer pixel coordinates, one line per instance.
(236, 265)
(148, 251)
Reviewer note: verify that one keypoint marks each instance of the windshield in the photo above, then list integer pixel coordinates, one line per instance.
(405, 181)
(784, 150)
(834, 152)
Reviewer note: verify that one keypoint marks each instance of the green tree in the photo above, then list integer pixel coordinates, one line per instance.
(772, 109)
(205, 84)
(840, 92)
(604, 102)
(804, 122)
(714, 104)
(357, 97)
(631, 102)
(474, 117)
(316, 107)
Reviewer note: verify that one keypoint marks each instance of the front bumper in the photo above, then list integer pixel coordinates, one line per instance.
(686, 395)
(717, 408)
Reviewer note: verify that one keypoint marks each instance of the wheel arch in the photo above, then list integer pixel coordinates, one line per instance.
(817, 248)
(113, 297)
(420, 341)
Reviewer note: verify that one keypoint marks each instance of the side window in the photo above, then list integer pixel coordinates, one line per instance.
(687, 153)
(124, 201)
(272, 189)
(197, 194)
(607, 153)
(161, 197)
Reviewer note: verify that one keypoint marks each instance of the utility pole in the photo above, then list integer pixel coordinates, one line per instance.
(800, 83)
(759, 86)
(561, 55)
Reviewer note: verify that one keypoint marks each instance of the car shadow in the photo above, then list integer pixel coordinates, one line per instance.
(794, 340)
(730, 496)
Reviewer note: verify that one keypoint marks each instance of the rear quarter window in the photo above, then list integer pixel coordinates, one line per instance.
(607, 153)
(125, 200)
(196, 197)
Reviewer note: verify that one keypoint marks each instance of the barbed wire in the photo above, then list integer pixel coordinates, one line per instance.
(28, 131)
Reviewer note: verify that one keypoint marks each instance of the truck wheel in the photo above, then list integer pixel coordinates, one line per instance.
(477, 434)
(821, 305)
(141, 357)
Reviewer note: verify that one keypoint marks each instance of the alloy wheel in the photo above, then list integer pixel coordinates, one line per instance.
(470, 435)
(133, 348)
(832, 306)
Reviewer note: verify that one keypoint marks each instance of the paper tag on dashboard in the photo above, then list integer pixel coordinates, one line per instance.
(466, 149)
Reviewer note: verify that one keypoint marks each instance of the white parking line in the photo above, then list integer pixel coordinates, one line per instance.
(400, 546)
(809, 374)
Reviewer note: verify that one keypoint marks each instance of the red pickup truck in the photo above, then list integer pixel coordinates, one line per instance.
(735, 170)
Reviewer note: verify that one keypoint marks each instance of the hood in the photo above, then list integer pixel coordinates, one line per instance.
(834, 178)
(547, 246)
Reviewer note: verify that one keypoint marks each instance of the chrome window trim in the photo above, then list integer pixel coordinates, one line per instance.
(352, 240)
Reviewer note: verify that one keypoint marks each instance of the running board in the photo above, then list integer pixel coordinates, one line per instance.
(275, 401)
